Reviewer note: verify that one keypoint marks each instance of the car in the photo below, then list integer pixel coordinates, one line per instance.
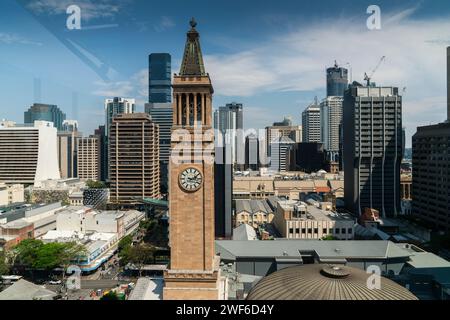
(55, 282)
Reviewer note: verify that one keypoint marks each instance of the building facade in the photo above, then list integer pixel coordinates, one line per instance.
(160, 78)
(337, 81)
(430, 178)
(194, 272)
(307, 157)
(229, 121)
(67, 153)
(330, 121)
(88, 158)
(134, 158)
(311, 124)
(45, 112)
(312, 220)
(28, 154)
(162, 115)
(114, 107)
(373, 149)
(280, 151)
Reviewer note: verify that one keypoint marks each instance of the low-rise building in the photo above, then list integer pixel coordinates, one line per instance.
(252, 212)
(99, 231)
(16, 231)
(288, 185)
(312, 220)
(10, 194)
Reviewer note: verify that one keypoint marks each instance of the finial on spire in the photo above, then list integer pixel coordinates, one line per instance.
(193, 23)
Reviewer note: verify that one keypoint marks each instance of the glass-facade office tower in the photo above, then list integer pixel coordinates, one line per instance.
(337, 81)
(229, 120)
(160, 80)
(372, 149)
(45, 112)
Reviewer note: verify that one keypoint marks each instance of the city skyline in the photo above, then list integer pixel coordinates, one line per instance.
(297, 68)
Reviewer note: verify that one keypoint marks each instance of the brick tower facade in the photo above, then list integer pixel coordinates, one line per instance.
(194, 267)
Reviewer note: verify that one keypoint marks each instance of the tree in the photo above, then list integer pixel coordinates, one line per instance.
(33, 254)
(95, 184)
(328, 238)
(4, 267)
(139, 256)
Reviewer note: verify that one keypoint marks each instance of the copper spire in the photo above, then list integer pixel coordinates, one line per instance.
(192, 64)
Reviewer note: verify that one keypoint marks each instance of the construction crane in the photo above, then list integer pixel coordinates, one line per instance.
(367, 77)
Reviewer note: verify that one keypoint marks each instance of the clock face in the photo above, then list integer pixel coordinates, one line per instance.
(191, 179)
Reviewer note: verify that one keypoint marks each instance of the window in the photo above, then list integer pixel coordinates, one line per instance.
(309, 230)
(337, 231)
(291, 230)
(350, 230)
(343, 231)
(316, 230)
(324, 230)
(303, 230)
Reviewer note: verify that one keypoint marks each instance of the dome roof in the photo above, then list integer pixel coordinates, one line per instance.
(325, 282)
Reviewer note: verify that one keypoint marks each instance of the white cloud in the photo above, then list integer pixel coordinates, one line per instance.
(11, 38)
(164, 24)
(415, 53)
(136, 87)
(89, 9)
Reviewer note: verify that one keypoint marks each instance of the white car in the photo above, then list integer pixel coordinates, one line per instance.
(55, 282)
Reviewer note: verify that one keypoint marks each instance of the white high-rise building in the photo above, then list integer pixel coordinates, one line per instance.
(28, 153)
(311, 124)
(330, 120)
(279, 150)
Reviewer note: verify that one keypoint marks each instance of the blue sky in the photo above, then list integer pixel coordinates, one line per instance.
(269, 55)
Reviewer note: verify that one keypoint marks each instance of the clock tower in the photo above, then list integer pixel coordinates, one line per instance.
(194, 268)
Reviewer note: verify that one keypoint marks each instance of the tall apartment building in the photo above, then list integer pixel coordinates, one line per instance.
(162, 115)
(311, 123)
(160, 78)
(373, 149)
(330, 121)
(28, 153)
(114, 107)
(134, 158)
(45, 112)
(337, 81)
(228, 120)
(431, 171)
(89, 158)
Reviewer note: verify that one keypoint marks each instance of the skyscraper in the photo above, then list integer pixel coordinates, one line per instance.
(311, 123)
(337, 81)
(162, 115)
(279, 154)
(88, 155)
(67, 152)
(134, 158)
(229, 120)
(330, 120)
(114, 107)
(431, 170)
(284, 128)
(45, 112)
(117, 106)
(160, 81)
(252, 152)
(28, 153)
(194, 271)
(373, 148)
